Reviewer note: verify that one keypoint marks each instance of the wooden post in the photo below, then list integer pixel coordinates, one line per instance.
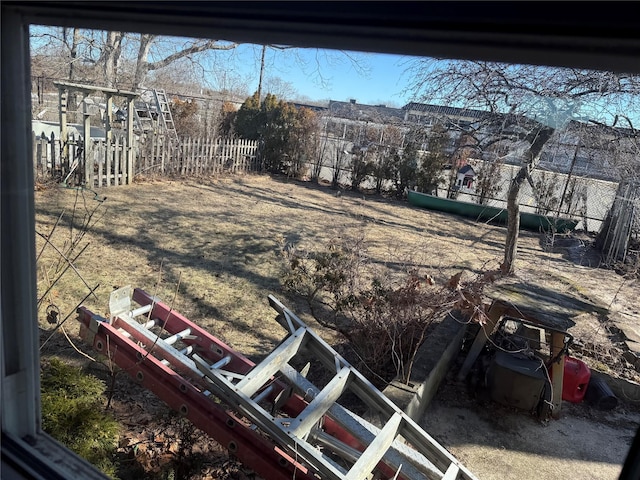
(87, 158)
(55, 164)
(557, 371)
(37, 155)
(64, 134)
(117, 161)
(107, 163)
(130, 110)
(99, 151)
(109, 118)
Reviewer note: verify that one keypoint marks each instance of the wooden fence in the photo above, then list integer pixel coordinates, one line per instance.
(160, 154)
(107, 161)
(153, 155)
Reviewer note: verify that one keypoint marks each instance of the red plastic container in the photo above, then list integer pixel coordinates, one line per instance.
(575, 380)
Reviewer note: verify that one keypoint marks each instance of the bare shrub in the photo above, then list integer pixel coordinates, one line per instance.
(384, 317)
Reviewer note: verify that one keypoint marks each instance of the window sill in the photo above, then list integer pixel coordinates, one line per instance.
(43, 458)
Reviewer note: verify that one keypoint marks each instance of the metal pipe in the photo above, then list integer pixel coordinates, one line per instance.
(178, 336)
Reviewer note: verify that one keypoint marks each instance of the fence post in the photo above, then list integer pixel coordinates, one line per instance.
(107, 161)
(55, 159)
(130, 156)
(36, 155)
(117, 162)
(207, 158)
(98, 152)
(87, 156)
(216, 153)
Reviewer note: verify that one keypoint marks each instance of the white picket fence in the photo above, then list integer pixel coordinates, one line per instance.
(107, 161)
(153, 155)
(162, 155)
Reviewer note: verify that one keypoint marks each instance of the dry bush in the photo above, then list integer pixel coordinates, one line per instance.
(384, 317)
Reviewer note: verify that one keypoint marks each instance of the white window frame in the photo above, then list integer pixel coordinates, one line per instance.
(586, 39)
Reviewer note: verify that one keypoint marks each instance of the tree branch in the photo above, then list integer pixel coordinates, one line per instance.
(195, 48)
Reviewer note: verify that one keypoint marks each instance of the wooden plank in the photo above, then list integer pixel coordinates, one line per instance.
(166, 162)
(54, 154)
(130, 157)
(192, 158)
(116, 161)
(206, 156)
(236, 157)
(185, 153)
(376, 450)
(198, 156)
(37, 160)
(557, 371)
(108, 159)
(87, 156)
(100, 148)
(545, 306)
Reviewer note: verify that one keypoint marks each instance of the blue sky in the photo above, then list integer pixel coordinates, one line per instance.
(323, 75)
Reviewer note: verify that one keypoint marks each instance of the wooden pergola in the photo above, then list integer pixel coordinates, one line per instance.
(63, 92)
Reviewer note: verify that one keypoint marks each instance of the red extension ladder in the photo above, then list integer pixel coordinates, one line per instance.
(269, 415)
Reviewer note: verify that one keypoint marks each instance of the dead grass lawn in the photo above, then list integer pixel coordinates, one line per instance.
(211, 249)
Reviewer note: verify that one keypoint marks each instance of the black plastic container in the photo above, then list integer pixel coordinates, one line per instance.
(516, 381)
(600, 395)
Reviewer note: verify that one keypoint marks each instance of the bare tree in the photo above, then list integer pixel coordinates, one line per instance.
(119, 59)
(339, 160)
(525, 106)
(319, 142)
(189, 49)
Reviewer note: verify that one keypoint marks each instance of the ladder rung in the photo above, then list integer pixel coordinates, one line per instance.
(270, 365)
(177, 336)
(223, 362)
(452, 472)
(376, 450)
(185, 351)
(140, 311)
(321, 403)
(263, 394)
(150, 323)
(336, 446)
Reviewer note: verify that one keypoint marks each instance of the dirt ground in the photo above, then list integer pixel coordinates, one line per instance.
(211, 249)
(498, 443)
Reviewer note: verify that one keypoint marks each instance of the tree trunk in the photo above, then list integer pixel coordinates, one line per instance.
(513, 221)
(142, 64)
(538, 139)
(110, 56)
(72, 102)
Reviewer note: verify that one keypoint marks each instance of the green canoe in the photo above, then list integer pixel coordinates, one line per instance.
(528, 221)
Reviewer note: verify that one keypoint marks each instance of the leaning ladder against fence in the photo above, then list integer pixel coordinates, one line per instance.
(269, 415)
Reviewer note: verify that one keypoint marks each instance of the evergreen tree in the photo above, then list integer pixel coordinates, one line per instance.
(429, 173)
(248, 119)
